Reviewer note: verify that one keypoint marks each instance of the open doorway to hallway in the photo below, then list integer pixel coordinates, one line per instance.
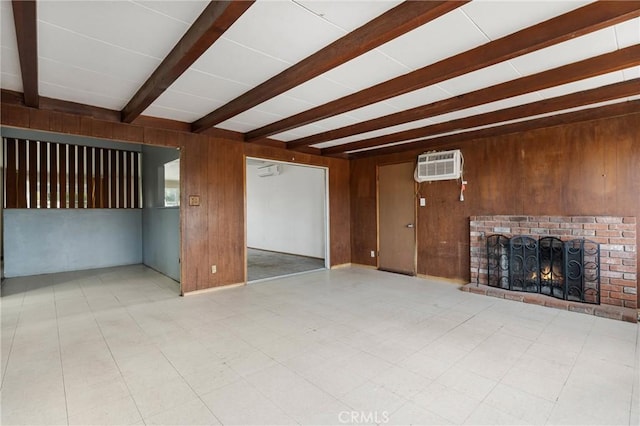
(286, 218)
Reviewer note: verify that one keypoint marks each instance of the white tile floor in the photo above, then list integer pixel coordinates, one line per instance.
(118, 346)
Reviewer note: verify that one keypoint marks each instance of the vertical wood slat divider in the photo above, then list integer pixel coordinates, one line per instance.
(105, 179)
(114, 180)
(33, 174)
(136, 180)
(21, 189)
(91, 182)
(44, 161)
(80, 175)
(62, 175)
(97, 172)
(53, 174)
(121, 179)
(128, 181)
(72, 176)
(12, 178)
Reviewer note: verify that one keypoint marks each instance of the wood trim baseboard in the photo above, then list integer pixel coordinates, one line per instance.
(211, 289)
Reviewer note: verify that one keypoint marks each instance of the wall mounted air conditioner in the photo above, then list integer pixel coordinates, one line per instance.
(441, 165)
(270, 170)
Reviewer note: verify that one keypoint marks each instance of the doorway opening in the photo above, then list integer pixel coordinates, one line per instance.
(287, 219)
(161, 212)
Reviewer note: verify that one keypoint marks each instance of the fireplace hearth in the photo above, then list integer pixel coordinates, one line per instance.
(568, 270)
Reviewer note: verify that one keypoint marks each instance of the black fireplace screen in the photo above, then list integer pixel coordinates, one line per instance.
(568, 270)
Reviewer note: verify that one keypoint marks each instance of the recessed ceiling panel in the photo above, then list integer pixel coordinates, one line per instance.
(7, 31)
(549, 114)
(79, 51)
(85, 80)
(386, 131)
(509, 102)
(348, 15)
(283, 30)
(631, 73)
(577, 49)
(318, 91)
(441, 38)
(628, 33)
(450, 116)
(580, 85)
(500, 18)
(296, 133)
(336, 121)
(235, 62)
(254, 118)
(197, 106)
(11, 78)
(170, 113)
(87, 97)
(357, 73)
(185, 11)
(368, 112)
(419, 97)
(485, 77)
(217, 89)
(284, 106)
(119, 23)
(319, 126)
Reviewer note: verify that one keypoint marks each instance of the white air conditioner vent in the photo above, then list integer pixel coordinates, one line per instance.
(438, 166)
(270, 170)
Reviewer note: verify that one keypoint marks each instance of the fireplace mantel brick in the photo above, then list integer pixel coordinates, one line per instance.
(616, 235)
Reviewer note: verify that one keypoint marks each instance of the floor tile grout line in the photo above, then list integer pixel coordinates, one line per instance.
(64, 387)
(116, 363)
(293, 372)
(363, 351)
(555, 403)
(635, 388)
(190, 387)
(13, 336)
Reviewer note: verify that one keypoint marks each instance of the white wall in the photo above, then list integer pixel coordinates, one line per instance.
(286, 213)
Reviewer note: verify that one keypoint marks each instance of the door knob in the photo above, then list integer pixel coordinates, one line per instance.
(410, 225)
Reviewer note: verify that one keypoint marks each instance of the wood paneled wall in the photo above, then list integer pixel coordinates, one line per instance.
(588, 168)
(213, 233)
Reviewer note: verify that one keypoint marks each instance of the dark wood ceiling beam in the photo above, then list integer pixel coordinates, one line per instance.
(607, 111)
(591, 67)
(573, 100)
(10, 97)
(216, 18)
(584, 20)
(609, 62)
(395, 22)
(26, 23)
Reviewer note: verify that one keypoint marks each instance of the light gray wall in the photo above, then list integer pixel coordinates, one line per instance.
(39, 241)
(161, 225)
(286, 213)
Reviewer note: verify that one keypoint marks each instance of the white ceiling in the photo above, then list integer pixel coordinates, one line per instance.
(100, 52)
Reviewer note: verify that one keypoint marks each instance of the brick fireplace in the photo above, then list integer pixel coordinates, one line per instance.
(616, 237)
